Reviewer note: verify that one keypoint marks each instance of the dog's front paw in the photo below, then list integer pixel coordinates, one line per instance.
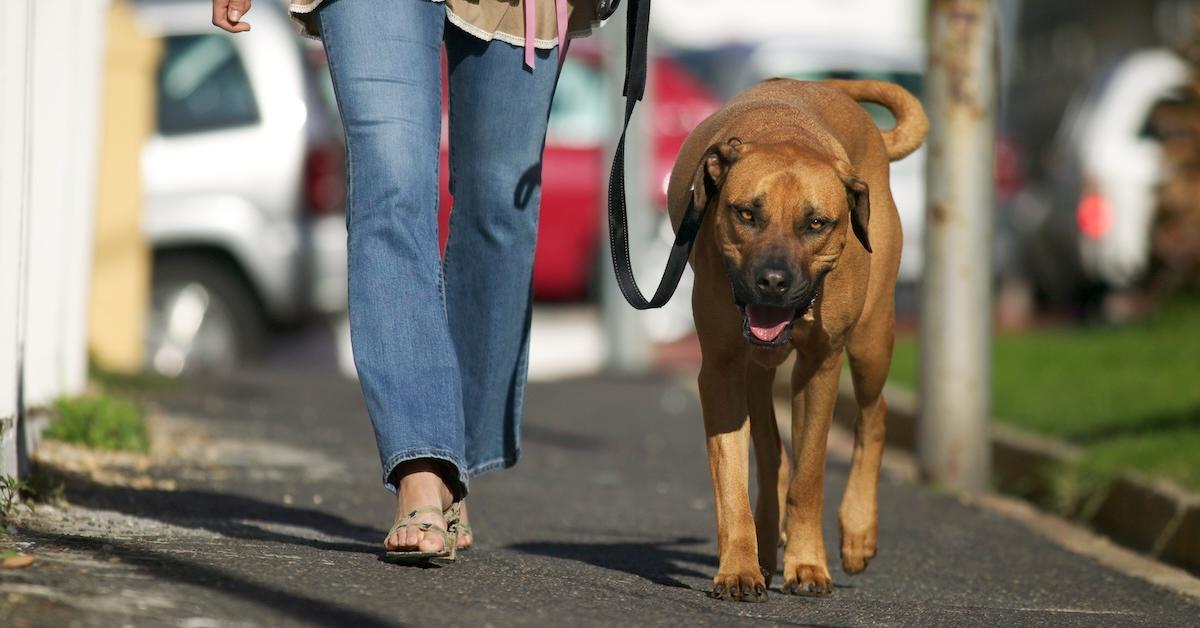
(810, 580)
(858, 548)
(744, 586)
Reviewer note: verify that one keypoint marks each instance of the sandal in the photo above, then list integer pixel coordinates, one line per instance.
(459, 530)
(449, 536)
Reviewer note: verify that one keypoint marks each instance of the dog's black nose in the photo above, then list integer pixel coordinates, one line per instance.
(773, 282)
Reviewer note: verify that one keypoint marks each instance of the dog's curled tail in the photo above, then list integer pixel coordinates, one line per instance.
(911, 123)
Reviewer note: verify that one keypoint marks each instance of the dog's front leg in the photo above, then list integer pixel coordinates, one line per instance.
(726, 425)
(805, 571)
(772, 465)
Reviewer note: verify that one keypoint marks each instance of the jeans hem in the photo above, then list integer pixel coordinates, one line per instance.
(492, 465)
(413, 454)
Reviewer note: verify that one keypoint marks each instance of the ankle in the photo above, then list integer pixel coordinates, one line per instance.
(418, 483)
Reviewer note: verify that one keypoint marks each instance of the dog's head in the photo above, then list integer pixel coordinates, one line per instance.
(782, 215)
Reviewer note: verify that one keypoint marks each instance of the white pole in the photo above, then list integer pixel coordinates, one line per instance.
(15, 34)
(89, 20)
(955, 342)
(67, 57)
(627, 343)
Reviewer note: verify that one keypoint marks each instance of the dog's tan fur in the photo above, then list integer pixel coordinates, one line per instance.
(792, 152)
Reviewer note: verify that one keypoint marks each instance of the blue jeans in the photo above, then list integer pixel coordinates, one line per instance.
(441, 347)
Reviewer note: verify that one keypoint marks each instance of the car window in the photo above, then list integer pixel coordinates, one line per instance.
(203, 86)
(579, 114)
(883, 117)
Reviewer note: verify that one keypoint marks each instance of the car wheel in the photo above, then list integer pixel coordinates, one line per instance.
(203, 317)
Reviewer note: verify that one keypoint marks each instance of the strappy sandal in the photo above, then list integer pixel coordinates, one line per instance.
(459, 530)
(449, 535)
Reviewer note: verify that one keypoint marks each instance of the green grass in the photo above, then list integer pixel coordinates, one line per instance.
(101, 422)
(1129, 395)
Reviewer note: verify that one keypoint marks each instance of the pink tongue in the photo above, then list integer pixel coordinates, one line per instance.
(767, 322)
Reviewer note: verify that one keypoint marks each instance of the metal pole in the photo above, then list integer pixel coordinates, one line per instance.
(955, 330)
(625, 336)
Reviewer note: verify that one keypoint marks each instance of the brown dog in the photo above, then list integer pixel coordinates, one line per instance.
(799, 250)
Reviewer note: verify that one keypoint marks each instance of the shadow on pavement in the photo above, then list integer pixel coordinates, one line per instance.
(225, 514)
(160, 565)
(657, 562)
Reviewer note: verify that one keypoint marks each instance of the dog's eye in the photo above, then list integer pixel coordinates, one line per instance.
(745, 215)
(816, 224)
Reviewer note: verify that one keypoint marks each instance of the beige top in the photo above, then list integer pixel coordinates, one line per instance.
(488, 19)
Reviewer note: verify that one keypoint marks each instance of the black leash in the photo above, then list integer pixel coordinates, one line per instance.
(636, 34)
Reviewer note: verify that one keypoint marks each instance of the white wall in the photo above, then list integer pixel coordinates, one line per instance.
(51, 55)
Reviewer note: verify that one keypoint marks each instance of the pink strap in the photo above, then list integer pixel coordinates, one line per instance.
(560, 16)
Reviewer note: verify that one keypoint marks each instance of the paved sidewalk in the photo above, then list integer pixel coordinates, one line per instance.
(264, 508)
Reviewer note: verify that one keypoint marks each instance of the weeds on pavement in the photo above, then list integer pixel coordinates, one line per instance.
(10, 496)
(101, 422)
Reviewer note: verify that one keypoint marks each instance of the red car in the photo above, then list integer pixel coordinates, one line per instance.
(576, 162)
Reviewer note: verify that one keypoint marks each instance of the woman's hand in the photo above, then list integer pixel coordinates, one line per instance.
(227, 14)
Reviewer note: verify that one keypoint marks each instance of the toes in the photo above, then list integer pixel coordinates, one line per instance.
(854, 559)
(853, 564)
(414, 536)
(739, 588)
(430, 542)
(808, 580)
(857, 551)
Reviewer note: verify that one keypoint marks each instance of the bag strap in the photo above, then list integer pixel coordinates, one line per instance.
(637, 32)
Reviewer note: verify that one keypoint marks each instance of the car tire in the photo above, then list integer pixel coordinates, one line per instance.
(203, 316)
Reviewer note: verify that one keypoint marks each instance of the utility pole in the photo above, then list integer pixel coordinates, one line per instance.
(955, 330)
(628, 347)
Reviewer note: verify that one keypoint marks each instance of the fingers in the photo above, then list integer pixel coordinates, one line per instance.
(227, 15)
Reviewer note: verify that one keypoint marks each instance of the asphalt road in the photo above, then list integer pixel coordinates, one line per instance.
(271, 513)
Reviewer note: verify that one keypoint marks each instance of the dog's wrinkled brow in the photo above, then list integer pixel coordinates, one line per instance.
(810, 210)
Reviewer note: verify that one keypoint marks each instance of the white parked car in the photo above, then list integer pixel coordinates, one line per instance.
(243, 182)
(1119, 164)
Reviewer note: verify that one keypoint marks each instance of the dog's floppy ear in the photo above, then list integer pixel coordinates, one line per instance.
(858, 198)
(711, 171)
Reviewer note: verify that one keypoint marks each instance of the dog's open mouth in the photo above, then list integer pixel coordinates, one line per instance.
(767, 323)
(770, 325)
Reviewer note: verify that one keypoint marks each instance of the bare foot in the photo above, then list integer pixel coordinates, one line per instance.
(419, 486)
(465, 537)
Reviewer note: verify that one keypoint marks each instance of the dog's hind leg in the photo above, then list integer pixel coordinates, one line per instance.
(771, 462)
(870, 350)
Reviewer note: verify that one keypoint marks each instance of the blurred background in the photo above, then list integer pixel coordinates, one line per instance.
(218, 209)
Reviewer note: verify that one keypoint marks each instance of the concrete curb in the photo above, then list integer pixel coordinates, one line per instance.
(1150, 516)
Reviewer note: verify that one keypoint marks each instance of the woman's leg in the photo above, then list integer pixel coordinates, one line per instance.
(384, 56)
(498, 114)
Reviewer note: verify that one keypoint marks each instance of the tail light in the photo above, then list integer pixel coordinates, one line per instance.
(1094, 214)
(1009, 178)
(325, 179)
